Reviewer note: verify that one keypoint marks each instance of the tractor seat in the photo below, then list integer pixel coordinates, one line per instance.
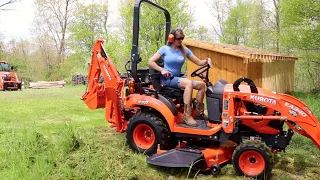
(155, 77)
(168, 92)
(174, 93)
(143, 75)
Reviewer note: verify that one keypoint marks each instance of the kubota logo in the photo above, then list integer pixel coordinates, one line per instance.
(303, 114)
(263, 99)
(107, 72)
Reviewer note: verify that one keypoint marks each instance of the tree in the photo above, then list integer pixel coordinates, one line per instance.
(301, 20)
(200, 33)
(26, 59)
(249, 24)
(53, 18)
(277, 23)
(89, 24)
(7, 3)
(220, 11)
(237, 25)
(301, 35)
(260, 29)
(1, 47)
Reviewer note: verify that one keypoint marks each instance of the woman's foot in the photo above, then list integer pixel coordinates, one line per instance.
(187, 117)
(199, 113)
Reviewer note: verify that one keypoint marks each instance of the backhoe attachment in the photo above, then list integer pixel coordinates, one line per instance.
(104, 94)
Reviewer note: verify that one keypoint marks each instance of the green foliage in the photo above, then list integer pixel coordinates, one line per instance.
(87, 26)
(116, 47)
(76, 63)
(28, 61)
(1, 47)
(152, 25)
(247, 24)
(260, 33)
(301, 23)
(301, 35)
(237, 24)
(307, 70)
(200, 33)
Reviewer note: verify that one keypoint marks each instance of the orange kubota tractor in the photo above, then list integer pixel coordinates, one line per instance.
(8, 80)
(245, 124)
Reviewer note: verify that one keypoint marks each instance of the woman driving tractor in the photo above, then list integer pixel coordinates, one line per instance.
(174, 54)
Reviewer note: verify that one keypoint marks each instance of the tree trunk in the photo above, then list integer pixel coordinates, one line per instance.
(277, 17)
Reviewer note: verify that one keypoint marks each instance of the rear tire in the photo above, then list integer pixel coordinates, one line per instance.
(145, 131)
(253, 159)
(20, 86)
(5, 86)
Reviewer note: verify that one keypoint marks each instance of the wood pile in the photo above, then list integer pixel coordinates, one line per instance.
(79, 79)
(47, 84)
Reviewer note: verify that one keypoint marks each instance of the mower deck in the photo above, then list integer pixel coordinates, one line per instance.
(178, 158)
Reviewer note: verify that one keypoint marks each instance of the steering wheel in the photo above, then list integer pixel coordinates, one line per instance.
(253, 87)
(199, 72)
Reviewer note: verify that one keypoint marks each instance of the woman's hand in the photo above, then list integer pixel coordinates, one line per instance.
(209, 61)
(165, 73)
(199, 62)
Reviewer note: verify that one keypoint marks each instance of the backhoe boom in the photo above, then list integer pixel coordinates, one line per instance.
(107, 93)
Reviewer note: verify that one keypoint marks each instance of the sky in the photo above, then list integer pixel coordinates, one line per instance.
(16, 23)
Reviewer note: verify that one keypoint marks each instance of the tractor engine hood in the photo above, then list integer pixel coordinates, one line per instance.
(9, 76)
(3, 74)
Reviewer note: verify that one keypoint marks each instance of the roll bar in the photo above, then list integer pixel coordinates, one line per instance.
(135, 56)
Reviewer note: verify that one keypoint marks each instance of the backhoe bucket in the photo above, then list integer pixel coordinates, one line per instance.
(96, 99)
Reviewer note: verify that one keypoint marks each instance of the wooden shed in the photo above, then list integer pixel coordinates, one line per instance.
(230, 62)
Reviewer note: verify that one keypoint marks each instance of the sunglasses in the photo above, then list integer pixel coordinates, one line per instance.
(180, 38)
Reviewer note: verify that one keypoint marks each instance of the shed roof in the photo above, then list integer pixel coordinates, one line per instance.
(247, 53)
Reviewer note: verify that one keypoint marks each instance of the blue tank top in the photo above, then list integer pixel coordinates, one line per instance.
(173, 59)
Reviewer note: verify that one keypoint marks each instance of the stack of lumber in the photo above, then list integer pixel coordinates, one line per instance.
(47, 84)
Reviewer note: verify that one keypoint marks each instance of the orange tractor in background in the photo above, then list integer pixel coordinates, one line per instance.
(245, 124)
(8, 79)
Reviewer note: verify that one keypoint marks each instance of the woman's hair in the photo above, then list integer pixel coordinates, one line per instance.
(182, 47)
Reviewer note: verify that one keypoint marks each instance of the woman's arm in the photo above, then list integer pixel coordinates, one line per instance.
(199, 62)
(152, 63)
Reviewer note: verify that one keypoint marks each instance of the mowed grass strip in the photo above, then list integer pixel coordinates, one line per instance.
(51, 134)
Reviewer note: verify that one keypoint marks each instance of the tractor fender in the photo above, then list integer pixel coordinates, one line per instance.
(169, 104)
(162, 105)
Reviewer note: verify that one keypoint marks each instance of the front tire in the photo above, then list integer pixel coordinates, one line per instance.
(215, 169)
(253, 159)
(145, 131)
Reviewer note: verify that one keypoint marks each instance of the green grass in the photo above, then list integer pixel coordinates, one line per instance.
(51, 134)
